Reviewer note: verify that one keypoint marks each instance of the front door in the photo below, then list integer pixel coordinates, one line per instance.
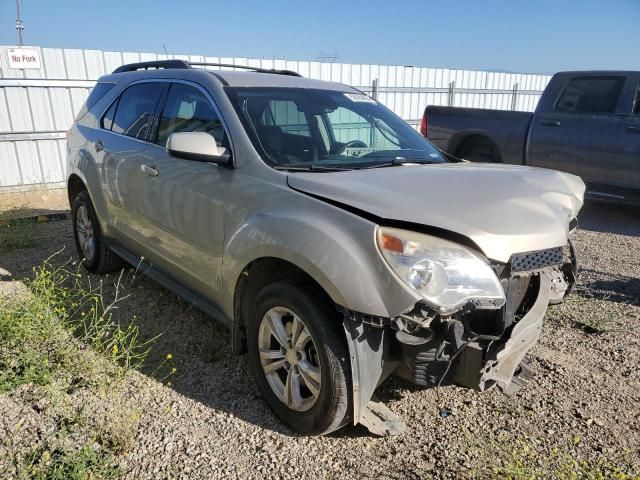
(183, 201)
(625, 172)
(580, 133)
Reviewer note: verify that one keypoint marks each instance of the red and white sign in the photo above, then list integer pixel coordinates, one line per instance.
(24, 57)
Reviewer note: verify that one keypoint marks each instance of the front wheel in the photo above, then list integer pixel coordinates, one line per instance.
(298, 357)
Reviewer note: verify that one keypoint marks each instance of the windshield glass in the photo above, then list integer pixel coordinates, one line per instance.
(325, 128)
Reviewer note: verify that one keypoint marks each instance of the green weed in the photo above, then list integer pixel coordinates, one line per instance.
(59, 336)
(83, 464)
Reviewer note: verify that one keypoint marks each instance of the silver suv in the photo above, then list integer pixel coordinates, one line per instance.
(337, 244)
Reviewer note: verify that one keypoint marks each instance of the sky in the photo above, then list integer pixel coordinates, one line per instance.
(535, 36)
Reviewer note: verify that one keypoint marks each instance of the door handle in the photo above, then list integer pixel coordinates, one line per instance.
(152, 172)
(633, 129)
(550, 123)
(99, 145)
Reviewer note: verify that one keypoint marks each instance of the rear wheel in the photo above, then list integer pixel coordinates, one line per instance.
(298, 356)
(96, 257)
(479, 150)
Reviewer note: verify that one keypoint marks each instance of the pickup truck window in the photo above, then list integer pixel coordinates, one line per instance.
(636, 103)
(591, 94)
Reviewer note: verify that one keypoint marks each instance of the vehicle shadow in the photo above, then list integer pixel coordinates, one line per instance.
(610, 218)
(610, 287)
(180, 336)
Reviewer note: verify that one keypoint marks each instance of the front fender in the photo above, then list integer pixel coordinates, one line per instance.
(336, 248)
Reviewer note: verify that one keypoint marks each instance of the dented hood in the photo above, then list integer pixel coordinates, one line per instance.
(504, 209)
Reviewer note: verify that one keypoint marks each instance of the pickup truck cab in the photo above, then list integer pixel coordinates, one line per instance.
(586, 123)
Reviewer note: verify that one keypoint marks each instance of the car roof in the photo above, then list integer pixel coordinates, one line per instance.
(229, 78)
(262, 79)
(594, 73)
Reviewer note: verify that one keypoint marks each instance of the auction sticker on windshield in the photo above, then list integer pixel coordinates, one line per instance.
(359, 97)
(358, 152)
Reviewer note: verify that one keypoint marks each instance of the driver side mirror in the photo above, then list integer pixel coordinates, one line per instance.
(198, 146)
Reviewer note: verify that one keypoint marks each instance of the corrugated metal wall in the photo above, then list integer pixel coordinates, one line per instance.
(38, 106)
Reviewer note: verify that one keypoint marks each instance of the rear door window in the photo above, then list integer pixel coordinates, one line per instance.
(636, 103)
(591, 95)
(135, 109)
(187, 109)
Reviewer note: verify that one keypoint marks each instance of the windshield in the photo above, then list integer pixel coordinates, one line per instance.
(322, 129)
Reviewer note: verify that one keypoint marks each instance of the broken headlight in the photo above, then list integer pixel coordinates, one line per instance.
(447, 275)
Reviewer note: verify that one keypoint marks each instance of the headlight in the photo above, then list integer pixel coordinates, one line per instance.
(446, 274)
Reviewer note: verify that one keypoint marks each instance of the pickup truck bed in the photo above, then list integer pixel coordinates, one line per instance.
(460, 131)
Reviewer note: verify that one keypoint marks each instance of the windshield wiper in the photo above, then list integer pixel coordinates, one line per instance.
(310, 168)
(400, 161)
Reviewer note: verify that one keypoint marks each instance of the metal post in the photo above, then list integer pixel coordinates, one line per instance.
(374, 95)
(19, 24)
(452, 91)
(514, 96)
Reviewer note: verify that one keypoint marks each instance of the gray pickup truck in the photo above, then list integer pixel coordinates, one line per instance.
(586, 123)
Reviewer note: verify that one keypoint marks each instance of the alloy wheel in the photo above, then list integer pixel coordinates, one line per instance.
(85, 233)
(289, 359)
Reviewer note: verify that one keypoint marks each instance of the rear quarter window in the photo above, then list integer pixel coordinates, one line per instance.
(591, 95)
(97, 93)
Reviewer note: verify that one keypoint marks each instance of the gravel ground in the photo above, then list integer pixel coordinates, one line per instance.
(207, 420)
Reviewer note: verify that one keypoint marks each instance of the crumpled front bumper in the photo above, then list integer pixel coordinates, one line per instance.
(488, 360)
(501, 361)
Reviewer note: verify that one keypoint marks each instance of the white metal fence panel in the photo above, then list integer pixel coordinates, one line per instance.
(38, 106)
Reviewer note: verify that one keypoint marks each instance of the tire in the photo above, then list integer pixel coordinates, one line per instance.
(479, 151)
(98, 258)
(330, 408)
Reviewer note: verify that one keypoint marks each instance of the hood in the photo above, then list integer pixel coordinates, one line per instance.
(504, 209)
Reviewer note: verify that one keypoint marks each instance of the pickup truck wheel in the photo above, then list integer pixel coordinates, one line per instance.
(96, 256)
(479, 150)
(298, 356)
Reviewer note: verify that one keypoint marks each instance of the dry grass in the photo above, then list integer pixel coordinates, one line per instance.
(32, 201)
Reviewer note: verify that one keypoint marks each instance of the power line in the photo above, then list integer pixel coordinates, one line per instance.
(328, 57)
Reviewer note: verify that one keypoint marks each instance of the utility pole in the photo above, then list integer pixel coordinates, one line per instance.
(19, 24)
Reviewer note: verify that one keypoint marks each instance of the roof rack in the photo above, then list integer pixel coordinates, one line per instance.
(182, 64)
(132, 67)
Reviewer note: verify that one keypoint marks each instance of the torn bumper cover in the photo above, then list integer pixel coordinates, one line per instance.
(502, 359)
(432, 349)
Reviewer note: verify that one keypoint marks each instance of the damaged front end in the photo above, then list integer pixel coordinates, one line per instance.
(472, 347)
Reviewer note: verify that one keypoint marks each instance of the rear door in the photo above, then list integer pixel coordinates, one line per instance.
(121, 146)
(579, 133)
(183, 201)
(625, 172)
